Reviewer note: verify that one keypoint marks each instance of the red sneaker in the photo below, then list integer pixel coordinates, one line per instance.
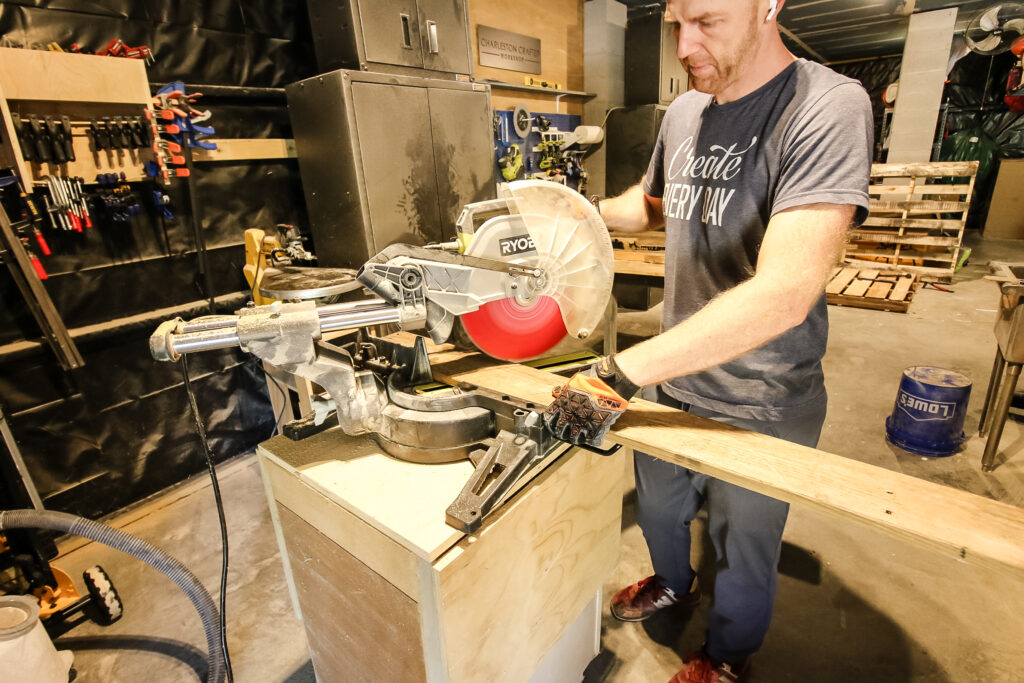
(699, 668)
(644, 598)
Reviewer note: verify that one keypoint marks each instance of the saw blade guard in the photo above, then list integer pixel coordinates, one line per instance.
(573, 249)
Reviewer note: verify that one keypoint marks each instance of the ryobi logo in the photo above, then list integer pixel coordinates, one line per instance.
(516, 245)
(923, 410)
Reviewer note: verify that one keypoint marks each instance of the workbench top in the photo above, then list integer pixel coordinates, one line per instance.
(406, 501)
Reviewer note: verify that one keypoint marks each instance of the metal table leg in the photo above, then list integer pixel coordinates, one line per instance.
(998, 417)
(993, 388)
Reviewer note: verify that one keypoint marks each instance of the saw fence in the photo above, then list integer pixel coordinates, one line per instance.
(957, 524)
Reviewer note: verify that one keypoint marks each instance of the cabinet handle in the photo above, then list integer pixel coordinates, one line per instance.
(406, 33)
(432, 37)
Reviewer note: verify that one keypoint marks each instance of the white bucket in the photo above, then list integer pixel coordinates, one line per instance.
(27, 654)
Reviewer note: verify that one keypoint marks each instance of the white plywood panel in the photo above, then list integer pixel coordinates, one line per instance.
(922, 78)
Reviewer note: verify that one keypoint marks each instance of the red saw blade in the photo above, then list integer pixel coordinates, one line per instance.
(508, 330)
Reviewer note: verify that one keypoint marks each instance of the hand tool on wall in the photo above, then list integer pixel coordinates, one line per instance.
(69, 148)
(55, 140)
(40, 139)
(27, 279)
(25, 139)
(100, 137)
(30, 212)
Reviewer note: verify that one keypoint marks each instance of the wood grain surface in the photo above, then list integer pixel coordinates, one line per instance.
(952, 522)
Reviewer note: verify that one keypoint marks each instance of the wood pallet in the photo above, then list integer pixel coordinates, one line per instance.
(917, 217)
(639, 253)
(878, 290)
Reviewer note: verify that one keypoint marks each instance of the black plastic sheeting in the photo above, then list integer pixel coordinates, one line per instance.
(875, 75)
(120, 429)
(968, 89)
(221, 42)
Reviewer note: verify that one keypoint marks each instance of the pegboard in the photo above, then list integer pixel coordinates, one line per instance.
(566, 169)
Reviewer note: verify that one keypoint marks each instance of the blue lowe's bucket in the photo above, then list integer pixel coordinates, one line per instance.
(928, 418)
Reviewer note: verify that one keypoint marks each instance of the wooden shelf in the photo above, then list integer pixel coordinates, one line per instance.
(78, 86)
(502, 85)
(246, 149)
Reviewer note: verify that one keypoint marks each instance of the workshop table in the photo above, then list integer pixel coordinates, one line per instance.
(389, 592)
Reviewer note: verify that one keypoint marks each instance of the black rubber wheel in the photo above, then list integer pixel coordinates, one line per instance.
(103, 595)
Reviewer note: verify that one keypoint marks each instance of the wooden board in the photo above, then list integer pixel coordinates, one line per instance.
(639, 253)
(1005, 219)
(509, 593)
(955, 523)
(957, 169)
(345, 591)
(639, 268)
(66, 77)
(246, 149)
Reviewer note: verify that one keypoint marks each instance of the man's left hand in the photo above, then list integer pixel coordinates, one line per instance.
(586, 407)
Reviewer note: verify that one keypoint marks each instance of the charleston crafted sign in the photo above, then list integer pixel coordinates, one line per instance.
(507, 50)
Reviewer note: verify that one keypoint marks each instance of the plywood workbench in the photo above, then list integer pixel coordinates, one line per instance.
(389, 592)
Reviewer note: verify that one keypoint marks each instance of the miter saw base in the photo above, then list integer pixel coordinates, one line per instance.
(503, 437)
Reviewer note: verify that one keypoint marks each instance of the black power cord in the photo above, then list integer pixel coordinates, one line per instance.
(220, 514)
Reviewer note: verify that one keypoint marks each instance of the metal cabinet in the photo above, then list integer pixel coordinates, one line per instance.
(653, 72)
(632, 134)
(391, 35)
(388, 158)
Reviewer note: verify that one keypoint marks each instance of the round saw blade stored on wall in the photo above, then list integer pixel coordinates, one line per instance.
(522, 122)
(557, 230)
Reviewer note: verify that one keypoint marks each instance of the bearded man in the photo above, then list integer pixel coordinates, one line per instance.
(757, 175)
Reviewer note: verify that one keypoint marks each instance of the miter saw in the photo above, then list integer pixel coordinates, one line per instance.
(527, 271)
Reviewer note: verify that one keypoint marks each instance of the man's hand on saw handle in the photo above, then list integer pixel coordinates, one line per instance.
(587, 406)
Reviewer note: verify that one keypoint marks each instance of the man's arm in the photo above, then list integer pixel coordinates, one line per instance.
(633, 211)
(801, 245)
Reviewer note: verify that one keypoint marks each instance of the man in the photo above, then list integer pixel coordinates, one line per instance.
(756, 176)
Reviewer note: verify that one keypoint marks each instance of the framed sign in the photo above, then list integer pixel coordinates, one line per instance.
(507, 50)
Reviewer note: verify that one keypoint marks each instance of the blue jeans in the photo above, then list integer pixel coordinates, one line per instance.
(745, 528)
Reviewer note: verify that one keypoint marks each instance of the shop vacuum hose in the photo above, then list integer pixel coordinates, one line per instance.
(174, 570)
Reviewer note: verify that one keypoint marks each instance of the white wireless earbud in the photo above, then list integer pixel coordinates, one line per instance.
(771, 11)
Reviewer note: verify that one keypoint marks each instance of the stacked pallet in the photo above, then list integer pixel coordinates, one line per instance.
(639, 253)
(879, 290)
(917, 218)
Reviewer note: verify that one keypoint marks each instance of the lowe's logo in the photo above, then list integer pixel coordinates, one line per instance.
(923, 410)
(516, 245)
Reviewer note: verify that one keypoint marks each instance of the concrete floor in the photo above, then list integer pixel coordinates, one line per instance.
(853, 604)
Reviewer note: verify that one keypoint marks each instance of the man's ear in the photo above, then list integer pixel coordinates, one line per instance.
(772, 10)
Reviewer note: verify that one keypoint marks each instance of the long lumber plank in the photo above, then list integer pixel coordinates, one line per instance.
(953, 522)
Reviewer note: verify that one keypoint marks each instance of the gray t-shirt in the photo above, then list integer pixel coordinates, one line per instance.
(723, 171)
